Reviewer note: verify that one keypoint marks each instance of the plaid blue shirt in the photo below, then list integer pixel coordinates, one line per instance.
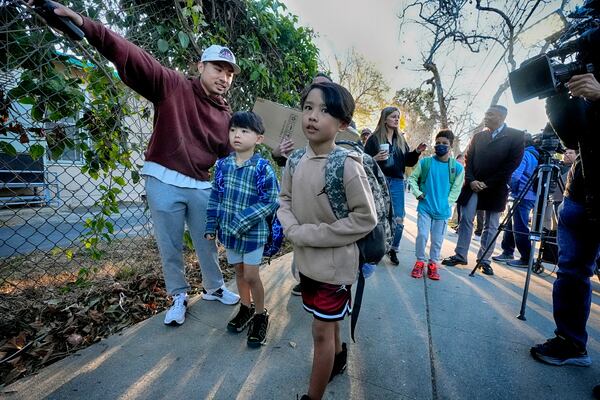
(237, 211)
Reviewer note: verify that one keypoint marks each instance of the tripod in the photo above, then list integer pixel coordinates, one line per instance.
(546, 172)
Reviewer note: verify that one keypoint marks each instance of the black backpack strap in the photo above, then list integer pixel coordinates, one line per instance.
(360, 288)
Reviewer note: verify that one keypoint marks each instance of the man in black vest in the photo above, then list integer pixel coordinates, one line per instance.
(492, 156)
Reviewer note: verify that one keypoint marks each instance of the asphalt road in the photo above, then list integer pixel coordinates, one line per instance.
(65, 230)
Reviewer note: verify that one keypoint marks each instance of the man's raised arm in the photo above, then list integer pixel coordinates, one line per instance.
(138, 69)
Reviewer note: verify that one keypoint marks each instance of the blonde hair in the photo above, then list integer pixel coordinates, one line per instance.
(381, 131)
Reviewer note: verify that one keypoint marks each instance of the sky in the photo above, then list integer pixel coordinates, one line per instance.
(374, 30)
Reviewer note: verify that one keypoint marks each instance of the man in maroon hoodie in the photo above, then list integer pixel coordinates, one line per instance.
(190, 132)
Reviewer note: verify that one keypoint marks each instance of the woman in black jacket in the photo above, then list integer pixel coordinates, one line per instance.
(388, 147)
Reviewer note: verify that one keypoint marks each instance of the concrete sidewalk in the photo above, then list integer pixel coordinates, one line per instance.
(457, 338)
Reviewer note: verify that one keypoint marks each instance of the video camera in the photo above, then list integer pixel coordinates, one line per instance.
(547, 142)
(544, 75)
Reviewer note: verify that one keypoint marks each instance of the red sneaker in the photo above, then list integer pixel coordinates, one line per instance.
(432, 272)
(417, 271)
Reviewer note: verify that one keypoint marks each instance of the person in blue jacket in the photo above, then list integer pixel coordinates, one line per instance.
(518, 229)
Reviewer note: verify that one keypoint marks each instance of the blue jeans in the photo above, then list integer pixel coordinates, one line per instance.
(396, 186)
(520, 236)
(172, 207)
(437, 227)
(578, 246)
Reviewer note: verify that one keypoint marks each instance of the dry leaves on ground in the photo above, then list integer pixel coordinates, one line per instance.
(44, 323)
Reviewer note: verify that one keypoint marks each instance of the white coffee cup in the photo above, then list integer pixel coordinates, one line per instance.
(385, 147)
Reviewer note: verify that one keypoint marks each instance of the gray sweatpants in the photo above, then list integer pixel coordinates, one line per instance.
(491, 221)
(426, 226)
(171, 208)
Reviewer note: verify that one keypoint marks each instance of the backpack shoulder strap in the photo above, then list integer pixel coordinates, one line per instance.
(425, 167)
(259, 175)
(334, 181)
(219, 180)
(294, 159)
(452, 170)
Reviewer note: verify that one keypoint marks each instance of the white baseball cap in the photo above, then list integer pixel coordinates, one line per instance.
(220, 53)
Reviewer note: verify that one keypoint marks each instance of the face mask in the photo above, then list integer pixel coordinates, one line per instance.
(441, 149)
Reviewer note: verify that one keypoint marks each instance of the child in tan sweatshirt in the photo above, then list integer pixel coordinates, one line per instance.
(324, 247)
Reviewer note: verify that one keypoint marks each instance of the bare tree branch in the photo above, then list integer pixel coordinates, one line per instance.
(365, 82)
(511, 31)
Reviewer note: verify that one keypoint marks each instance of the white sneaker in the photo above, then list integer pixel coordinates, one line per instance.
(176, 314)
(221, 294)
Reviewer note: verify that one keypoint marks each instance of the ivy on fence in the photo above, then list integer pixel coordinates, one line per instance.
(58, 79)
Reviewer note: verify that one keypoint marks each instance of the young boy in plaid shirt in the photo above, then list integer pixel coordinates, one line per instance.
(244, 193)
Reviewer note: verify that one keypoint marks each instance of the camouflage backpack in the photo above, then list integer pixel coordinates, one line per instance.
(374, 245)
(334, 188)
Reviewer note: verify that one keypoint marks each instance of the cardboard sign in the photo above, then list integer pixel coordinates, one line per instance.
(283, 122)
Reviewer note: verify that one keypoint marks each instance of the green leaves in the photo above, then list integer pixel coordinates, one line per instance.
(255, 75)
(38, 111)
(36, 151)
(119, 180)
(52, 93)
(184, 39)
(135, 176)
(8, 148)
(27, 100)
(163, 45)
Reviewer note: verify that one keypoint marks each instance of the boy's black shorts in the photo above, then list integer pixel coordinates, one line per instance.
(326, 301)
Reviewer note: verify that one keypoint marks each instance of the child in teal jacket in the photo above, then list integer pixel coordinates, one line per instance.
(436, 182)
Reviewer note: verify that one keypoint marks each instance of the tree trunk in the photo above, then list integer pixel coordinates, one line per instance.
(501, 89)
(431, 67)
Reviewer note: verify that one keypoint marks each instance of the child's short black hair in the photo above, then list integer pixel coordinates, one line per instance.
(338, 100)
(446, 133)
(247, 120)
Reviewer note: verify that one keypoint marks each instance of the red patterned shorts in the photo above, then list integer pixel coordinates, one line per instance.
(326, 301)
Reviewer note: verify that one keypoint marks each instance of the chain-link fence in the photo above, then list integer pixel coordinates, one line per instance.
(72, 135)
(71, 145)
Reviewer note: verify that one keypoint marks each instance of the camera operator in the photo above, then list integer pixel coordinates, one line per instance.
(568, 160)
(576, 121)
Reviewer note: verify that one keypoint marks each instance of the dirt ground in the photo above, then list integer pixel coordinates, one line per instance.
(49, 309)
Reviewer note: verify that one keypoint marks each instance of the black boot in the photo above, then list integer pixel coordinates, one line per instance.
(393, 257)
(340, 362)
(242, 319)
(257, 333)
(596, 392)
